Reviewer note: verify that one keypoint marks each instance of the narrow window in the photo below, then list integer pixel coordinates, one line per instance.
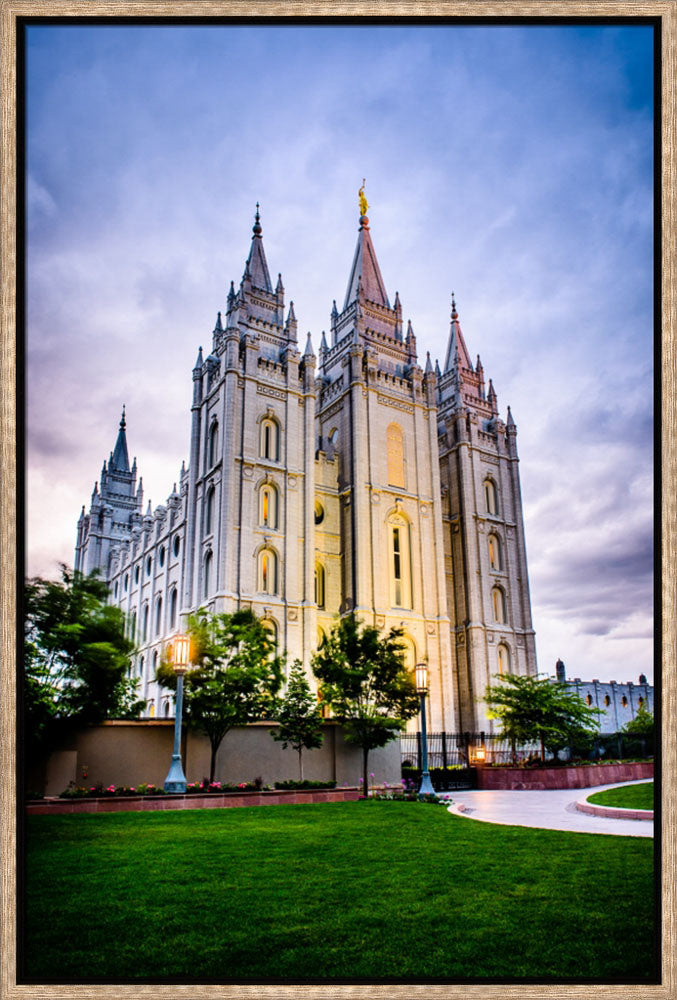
(640, 702)
(319, 585)
(144, 631)
(588, 699)
(213, 444)
(115, 589)
(177, 545)
(397, 567)
(495, 554)
(624, 702)
(490, 498)
(268, 506)
(173, 604)
(206, 575)
(126, 583)
(607, 700)
(141, 666)
(395, 455)
(209, 511)
(158, 616)
(271, 628)
(149, 565)
(166, 709)
(400, 564)
(132, 630)
(136, 575)
(498, 601)
(161, 556)
(154, 664)
(270, 445)
(268, 571)
(503, 659)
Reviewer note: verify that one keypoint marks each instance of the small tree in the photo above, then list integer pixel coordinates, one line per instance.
(642, 724)
(299, 716)
(235, 678)
(76, 657)
(365, 683)
(530, 709)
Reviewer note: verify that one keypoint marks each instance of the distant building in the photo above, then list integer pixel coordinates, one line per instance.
(354, 480)
(616, 703)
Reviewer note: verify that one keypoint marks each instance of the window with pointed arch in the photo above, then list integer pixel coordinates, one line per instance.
(395, 455)
(267, 571)
(270, 439)
(213, 444)
(207, 575)
(503, 656)
(132, 627)
(498, 604)
(270, 625)
(319, 585)
(155, 663)
(144, 629)
(490, 496)
(210, 503)
(158, 616)
(399, 557)
(495, 552)
(173, 606)
(268, 506)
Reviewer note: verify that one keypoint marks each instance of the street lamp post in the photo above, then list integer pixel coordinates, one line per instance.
(422, 689)
(176, 779)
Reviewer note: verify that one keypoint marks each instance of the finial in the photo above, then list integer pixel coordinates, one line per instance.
(123, 423)
(454, 314)
(218, 327)
(363, 201)
(257, 230)
(428, 364)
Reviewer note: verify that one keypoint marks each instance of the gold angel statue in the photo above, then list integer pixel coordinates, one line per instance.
(363, 201)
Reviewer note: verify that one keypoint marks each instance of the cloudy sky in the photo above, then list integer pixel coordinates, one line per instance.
(510, 164)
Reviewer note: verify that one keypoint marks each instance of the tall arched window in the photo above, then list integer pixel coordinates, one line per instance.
(173, 606)
(503, 659)
(490, 496)
(270, 439)
(268, 506)
(395, 453)
(155, 661)
(213, 444)
(400, 561)
(498, 603)
(495, 553)
(132, 627)
(271, 627)
(144, 630)
(267, 571)
(158, 615)
(209, 510)
(206, 575)
(319, 585)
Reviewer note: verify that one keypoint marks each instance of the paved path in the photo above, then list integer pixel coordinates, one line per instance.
(553, 810)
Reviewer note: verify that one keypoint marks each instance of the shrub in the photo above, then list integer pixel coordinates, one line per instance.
(304, 784)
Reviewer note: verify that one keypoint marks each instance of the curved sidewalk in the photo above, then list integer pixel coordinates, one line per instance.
(551, 810)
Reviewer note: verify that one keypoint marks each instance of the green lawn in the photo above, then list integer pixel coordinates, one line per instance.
(628, 797)
(354, 890)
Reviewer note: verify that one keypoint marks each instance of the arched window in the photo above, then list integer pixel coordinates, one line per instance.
(319, 512)
(321, 637)
(624, 702)
(400, 561)
(141, 666)
(136, 575)
(206, 575)
(495, 553)
(144, 630)
(126, 582)
(158, 616)
(155, 659)
(395, 453)
(151, 710)
(588, 699)
(177, 544)
(319, 585)
(498, 603)
(268, 506)
(149, 565)
(213, 444)
(161, 556)
(173, 606)
(166, 709)
(115, 589)
(503, 659)
(270, 439)
(640, 702)
(408, 652)
(209, 510)
(271, 628)
(267, 582)
(132, 627)
(607, 700)
(490, 496)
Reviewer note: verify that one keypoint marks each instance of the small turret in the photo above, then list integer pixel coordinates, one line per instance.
(291, 326)
(491, 398)
(309, 353)
(197, 367)
(398, 317)
(428, 364)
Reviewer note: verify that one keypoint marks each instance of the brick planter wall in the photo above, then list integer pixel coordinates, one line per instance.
(151, 803)
(539, 778)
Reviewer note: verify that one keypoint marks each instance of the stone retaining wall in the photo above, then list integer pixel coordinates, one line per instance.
(539, 778)
(153, 803)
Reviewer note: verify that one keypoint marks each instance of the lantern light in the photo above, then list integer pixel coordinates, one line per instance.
(421, 678)
(180, 653)
(480, 753)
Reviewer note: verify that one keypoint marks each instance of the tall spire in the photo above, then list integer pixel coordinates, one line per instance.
(256, 268)
(456, 347)
(365, 274)
(120, 460)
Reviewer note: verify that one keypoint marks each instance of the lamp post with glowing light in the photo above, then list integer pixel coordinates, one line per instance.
(176, 779)
(422, 689)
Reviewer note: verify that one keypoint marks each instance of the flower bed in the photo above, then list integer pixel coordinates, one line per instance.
(580, 776)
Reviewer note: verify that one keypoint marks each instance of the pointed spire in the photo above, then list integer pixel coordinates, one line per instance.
(457, 352)
(491, 397)
(149, 512)
(231, 296)
(365, 274)
(334, 311)
(410, 330)
(199, 361)
(256, 268)
(279, 287)
(510, 422)
(437, 369)
(291, 315)
(120, 458)
(309, 352)
(428, 364)
(218, 328)
(323, 343)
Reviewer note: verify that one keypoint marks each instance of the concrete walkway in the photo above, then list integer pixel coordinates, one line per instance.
(551, 810)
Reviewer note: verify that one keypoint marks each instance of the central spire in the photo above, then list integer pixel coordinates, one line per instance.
(365, 276)
(120, 460)
(256, 268)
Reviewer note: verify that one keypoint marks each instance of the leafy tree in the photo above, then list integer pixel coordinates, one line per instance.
(235, 677)
(365, 683)
(76, 656)
(530, 709)
(299, 716)
(642, 724)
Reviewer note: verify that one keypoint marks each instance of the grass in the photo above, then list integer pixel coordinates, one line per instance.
(627, 797)
(354, 890)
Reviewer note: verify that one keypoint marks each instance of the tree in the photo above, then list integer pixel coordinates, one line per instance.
(76, 656)
(235, 677)
(299, 716)
(365, 683)
(642, 724)
(530, 709)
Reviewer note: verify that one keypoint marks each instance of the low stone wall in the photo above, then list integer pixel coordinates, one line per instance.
(153, 803)
(539, 778)
(614, 812)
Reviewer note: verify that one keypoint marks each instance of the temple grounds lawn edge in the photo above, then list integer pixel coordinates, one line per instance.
(367, 891)
(626, 797)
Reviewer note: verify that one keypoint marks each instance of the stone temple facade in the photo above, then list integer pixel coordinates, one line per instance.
(317, 484)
